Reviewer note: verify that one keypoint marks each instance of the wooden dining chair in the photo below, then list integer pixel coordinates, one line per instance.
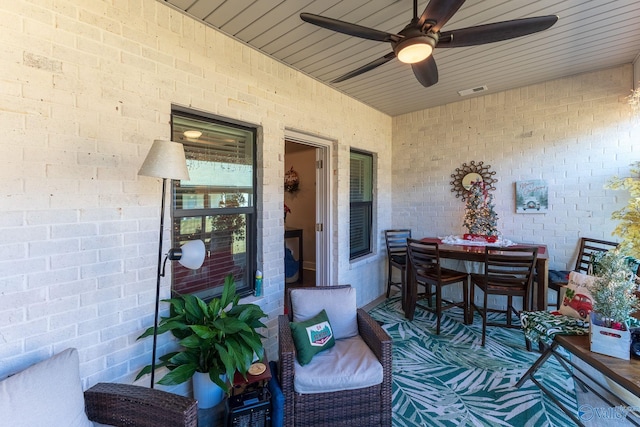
(507, 271)
(425, 270)
(588, 248)
(396, 241)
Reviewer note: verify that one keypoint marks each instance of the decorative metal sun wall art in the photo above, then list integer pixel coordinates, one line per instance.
(469, 173)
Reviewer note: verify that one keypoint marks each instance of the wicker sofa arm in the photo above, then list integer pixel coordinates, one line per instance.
(130, 405)
(375, 337)
(381, 344)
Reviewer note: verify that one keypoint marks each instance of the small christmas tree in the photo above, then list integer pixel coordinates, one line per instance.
(480, 217)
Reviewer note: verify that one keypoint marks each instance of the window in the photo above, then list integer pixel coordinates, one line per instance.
(361, 203)
(216, 205)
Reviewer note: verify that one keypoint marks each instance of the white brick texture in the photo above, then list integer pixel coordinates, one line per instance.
(85, 89)
(86, 86)
(575, 133)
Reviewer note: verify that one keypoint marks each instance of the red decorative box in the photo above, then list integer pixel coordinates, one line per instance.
(480, 238)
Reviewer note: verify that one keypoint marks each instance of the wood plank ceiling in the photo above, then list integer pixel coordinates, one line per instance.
(590, 35)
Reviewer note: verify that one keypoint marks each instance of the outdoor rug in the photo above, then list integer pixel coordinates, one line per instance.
(450, 380)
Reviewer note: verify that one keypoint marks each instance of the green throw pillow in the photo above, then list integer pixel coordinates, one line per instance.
(312, 336)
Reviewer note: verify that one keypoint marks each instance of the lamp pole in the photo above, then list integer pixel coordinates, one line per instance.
(165, 160)
(157, 310)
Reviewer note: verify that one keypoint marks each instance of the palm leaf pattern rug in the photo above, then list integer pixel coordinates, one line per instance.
(450, 380)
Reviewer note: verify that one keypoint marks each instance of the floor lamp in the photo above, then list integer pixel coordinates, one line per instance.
(165, 160)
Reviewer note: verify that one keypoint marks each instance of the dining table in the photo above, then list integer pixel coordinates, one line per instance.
(475, 253)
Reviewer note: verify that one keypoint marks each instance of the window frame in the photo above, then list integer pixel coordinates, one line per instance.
(246, 285)
(360, 204)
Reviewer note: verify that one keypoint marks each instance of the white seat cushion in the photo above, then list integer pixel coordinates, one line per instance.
(349, 365)
(340, 305)
(48, 393)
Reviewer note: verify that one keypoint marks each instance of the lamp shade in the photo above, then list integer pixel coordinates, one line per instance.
(165, 159)
(192, 254)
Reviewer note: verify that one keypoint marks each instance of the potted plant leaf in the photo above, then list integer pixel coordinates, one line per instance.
(217, 338)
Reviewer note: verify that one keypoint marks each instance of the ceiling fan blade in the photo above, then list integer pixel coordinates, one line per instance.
(498, 31)
(439, 11)
(349, 28)
(368, 67)
(426, 71)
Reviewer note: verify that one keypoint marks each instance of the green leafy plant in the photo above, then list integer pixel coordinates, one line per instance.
(628, 227)
(219, 337)
(614, 289)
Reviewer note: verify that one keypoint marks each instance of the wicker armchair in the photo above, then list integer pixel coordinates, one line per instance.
(130, 405)
(370, 406)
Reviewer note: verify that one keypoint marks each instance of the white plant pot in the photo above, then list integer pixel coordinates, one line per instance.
(206, 392)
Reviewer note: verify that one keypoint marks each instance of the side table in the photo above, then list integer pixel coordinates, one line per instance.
(624, 372)
(218, 416)
(241, 385)
(250, 402)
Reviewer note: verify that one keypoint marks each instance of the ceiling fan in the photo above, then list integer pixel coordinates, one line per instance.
(415, 42)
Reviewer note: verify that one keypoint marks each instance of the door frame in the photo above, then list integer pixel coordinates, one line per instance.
(323, 200)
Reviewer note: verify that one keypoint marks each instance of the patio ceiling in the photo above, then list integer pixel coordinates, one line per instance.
(589, 35)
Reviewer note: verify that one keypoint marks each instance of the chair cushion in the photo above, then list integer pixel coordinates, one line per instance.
(577, 301)
(340, 305)
(544, 325)
(558, 277)
(48, 393)
(349, 365)
(399, 259)
(311, 337)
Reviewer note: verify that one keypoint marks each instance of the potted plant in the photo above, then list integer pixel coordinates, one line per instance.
(614, 288)
(614, 300)
(217, 338)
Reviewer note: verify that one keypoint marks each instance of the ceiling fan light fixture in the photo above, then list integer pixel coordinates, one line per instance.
(415, 49)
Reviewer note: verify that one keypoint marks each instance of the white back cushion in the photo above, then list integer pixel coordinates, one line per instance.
(48, 393)
(340, 305)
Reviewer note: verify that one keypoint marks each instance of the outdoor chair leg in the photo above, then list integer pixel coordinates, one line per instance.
(484, 319)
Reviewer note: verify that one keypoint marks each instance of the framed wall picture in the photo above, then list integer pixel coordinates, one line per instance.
(532, 196)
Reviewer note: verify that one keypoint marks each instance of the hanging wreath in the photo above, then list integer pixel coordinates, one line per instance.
(291, 181)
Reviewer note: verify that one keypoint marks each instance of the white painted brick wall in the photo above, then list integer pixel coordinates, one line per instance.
(86, 87)
(575, 133)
